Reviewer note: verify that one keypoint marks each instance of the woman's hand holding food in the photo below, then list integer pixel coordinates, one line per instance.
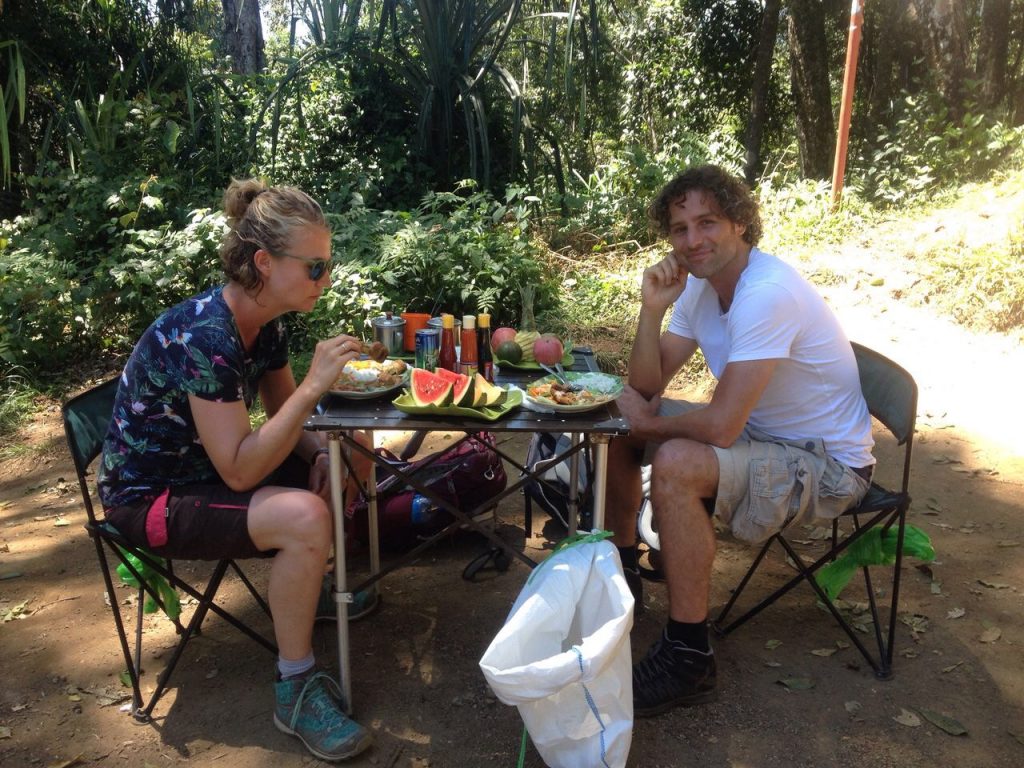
(329, 359)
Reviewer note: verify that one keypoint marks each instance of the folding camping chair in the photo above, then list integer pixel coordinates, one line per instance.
(891, 395)
(86, 418)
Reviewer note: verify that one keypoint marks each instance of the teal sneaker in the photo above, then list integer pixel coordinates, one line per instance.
(363, 603)
(309, 707)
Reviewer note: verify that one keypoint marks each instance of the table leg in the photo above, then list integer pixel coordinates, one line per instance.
(574, 485)
(374, 520)
(342, 598)
(600, 477)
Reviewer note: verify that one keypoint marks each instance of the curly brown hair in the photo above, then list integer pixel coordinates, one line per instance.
(261, 216)
(733, 197)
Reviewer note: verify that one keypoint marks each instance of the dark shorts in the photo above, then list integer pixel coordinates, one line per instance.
(200, 522)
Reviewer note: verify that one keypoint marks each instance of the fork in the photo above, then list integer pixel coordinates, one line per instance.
(559, 373)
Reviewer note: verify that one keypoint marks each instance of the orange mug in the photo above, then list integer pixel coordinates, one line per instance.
(414, 321)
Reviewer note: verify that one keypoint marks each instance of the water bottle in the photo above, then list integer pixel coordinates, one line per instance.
(424, 513)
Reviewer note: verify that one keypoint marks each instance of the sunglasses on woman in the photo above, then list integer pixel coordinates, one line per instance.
(317, 267)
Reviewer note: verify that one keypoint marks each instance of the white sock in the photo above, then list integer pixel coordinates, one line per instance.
(295, 667)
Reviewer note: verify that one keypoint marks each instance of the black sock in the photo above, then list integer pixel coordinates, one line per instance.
(692, 635)
(629, 557)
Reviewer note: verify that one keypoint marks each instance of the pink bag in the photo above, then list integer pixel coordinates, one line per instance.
(467, 475)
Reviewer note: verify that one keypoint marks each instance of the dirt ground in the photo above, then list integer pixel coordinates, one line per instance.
(416, 680)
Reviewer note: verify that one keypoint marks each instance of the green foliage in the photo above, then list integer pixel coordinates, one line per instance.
(93, 265)
(346, 307)
(442, 62)
(926, 150)
(16, 402)
(462, 253)
(609, 207)
(12, 93)
(331, 135)
(982, 288)
(797, 216)
(689, 70)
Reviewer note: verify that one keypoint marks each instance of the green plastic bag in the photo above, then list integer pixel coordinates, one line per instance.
(873, 548)
(171, 601)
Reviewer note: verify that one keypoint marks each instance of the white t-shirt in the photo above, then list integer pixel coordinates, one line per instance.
(776, 314)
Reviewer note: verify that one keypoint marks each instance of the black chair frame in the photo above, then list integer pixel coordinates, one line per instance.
(86, 418)
(891, 395)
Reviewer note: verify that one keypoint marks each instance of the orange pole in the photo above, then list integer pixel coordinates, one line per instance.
(846, 106)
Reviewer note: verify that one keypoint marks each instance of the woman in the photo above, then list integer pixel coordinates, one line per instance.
(185, 474)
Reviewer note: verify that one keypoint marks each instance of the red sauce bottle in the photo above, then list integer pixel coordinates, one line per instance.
(446, 354)
(468, 363)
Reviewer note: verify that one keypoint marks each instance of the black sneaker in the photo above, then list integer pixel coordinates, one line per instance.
(672, 675)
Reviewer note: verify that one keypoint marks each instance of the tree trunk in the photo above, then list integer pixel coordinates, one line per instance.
(759, 90)
(243, 36)
(994, 50)
(945, 28)
(808, 58)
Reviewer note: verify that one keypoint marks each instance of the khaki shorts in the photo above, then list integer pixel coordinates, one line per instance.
(766, 484)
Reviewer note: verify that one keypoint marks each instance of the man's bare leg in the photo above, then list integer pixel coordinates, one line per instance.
(680, 670)
(624, 490)
(684, 474)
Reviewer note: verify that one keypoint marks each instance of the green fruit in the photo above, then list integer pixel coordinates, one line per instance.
(510, 352)
(525, 340)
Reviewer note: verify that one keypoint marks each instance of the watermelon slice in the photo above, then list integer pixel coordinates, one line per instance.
(485, 393)
(428, 388)
(462, 386)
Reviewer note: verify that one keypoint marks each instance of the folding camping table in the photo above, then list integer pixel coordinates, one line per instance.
(339, 417)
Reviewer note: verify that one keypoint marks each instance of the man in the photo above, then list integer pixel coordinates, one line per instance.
(785, 438)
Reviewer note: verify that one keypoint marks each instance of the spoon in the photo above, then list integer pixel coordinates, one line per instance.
(559, 373)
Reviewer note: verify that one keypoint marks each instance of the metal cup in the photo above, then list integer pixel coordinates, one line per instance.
(388, 330)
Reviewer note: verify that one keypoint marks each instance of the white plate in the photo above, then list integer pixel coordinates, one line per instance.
(369, 394)
(591, 380)
(372, 391)
(558, 408)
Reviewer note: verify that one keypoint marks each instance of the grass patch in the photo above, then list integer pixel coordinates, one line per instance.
(17, 404)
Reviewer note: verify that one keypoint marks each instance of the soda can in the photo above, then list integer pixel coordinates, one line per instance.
(428, 342)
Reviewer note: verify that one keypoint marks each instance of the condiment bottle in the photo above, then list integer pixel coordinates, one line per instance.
(484, 357)
(446, 354)
(468, 363)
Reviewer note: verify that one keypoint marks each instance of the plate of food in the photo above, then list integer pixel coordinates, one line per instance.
(365, 379)
(595, 389)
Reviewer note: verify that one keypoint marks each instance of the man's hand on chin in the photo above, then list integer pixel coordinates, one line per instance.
(638, 410)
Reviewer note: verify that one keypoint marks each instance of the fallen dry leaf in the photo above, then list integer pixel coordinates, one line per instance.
(771, 645)
(907, 718)
(948, 724)
(990, 635)
(993, 584)
(824, 651)
(956, 613)
(796, 683)
(951, 667)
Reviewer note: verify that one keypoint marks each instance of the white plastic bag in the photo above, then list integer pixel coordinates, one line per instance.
(563, 657)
